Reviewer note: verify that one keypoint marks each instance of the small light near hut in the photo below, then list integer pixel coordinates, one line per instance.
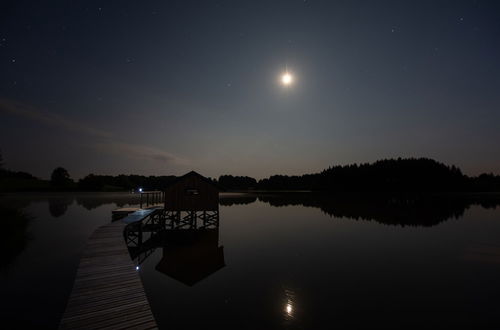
(137, 267)
(289, 309)
(140, 190)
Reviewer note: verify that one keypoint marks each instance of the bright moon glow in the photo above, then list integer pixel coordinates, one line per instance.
(286, 79)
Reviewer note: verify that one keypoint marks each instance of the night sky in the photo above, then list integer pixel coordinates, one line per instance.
(164, 87)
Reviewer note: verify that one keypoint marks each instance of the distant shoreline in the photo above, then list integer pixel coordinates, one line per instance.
(410, 175)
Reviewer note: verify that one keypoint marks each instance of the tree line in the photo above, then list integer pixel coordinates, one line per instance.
(387, 175)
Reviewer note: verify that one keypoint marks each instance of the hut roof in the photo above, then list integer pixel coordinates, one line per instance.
(193, 173)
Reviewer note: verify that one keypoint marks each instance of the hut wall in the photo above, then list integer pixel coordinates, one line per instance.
(192, 194)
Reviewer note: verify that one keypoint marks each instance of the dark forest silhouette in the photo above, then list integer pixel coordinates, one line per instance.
(388, 175)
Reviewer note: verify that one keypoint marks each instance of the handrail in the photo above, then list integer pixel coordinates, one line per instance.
(152, 197)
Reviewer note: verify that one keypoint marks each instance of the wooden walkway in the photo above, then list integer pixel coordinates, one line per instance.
(108, 292)
(130, 210)
(140, 215)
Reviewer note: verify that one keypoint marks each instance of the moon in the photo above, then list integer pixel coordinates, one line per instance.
(286, 79)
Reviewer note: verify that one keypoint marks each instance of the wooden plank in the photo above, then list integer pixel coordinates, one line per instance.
(125, 210)
(116, 319)
(139, 215)
(108, 292)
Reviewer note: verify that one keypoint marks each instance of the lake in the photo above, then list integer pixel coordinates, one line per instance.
(277, 261)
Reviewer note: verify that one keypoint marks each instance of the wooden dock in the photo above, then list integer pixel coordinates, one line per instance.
(108, 292)
(124, 211)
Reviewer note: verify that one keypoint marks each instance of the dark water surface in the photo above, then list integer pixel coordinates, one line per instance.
(294, 261)
(40, 256)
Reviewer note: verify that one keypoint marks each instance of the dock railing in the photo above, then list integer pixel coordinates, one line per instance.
(151, 198)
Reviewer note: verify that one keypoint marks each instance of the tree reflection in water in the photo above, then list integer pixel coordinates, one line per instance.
(402, 210)
(59, 205)
(15, 235)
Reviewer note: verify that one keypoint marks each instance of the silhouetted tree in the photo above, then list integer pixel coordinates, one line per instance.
(388, 175)
(18, 181)
(60, 178)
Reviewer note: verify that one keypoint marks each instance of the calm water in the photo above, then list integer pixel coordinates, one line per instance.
(40, 258)
(291, 261)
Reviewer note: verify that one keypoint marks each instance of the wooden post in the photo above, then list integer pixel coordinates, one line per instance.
(140, 235)
(162, 220)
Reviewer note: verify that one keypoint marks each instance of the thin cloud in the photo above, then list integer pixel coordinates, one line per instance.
(139, 151)
(48, 118)
(106, 142)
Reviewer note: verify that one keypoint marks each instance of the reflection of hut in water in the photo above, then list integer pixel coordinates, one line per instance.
(190, 198)
(191, 255)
